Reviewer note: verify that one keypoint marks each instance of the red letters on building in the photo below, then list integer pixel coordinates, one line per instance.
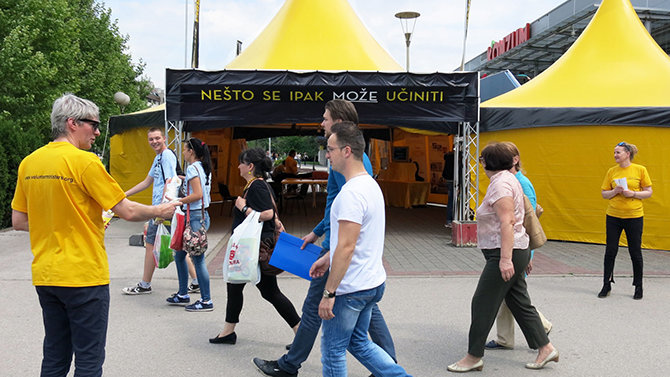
(510, 41)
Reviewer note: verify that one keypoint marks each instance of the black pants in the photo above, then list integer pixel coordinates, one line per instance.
(492, 290)
(633, 228)
(75, 321)
(270, 292)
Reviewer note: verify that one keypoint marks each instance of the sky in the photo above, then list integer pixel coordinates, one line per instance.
(157, 29)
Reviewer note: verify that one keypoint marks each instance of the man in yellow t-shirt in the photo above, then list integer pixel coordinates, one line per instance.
(61, 192)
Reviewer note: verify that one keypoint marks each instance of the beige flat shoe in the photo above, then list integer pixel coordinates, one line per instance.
(553, 356)
(459, 369)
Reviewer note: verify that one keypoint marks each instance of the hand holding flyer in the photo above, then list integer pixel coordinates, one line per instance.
(622, 182)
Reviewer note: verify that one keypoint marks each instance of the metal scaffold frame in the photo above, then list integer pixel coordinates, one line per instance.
(173, 137)
(466, 172)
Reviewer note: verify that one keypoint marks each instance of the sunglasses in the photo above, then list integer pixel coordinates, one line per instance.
(624, 144)
(94, 123)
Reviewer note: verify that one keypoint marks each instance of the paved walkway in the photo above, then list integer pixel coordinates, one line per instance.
(418, 244)
(426, 305)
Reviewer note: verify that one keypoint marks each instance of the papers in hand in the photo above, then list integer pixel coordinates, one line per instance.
(171, 193)
(622, 182)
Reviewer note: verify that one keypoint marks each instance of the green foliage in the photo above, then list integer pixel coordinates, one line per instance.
(282, 145)
(47, 48)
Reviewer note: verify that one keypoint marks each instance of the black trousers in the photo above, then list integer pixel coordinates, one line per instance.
(633, 228)
(75, 321)
(269, 291)
(492, 290)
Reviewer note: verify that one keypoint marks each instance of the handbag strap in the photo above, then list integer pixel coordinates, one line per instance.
(188, 205)
(274, 205)
(272, 198)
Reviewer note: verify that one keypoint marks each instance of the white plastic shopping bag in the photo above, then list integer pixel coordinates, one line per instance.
(162, 252)
(241, 262)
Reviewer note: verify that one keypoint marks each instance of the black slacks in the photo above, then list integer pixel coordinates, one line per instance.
(270, 292)
(633, 228)
(75, 321)
(492, 290)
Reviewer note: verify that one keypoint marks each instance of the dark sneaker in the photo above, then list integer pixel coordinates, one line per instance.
(136, 290)
(194, 288)
(200, 306)
(271, 368)
(175, 299)
(493, 345)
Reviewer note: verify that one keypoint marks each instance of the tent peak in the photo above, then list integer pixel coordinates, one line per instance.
(614, 63)
(315, 34)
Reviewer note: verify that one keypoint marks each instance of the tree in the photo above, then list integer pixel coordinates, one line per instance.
(282, 145)
(47, 48)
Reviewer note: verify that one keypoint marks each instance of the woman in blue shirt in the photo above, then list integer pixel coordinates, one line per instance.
(198, 180)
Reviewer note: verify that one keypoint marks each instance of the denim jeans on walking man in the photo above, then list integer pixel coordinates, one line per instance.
(349, 330)
(198, 261)
(311, 322)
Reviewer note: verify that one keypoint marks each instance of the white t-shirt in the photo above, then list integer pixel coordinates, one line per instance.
(361, 201)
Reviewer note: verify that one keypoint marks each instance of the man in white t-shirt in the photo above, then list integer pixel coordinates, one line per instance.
(357, 277)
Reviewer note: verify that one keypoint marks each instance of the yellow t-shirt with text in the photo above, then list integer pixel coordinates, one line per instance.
(64, 190)
(636, 178)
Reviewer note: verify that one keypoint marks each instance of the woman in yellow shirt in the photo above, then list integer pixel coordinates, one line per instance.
(625, 185)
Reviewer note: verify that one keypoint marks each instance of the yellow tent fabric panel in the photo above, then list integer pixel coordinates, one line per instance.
(614, 63)
(567, 165)
(130, 160)
(315, 35)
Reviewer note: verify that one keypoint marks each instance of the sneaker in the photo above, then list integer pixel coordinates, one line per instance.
(175, 299)
(493, 345)
(271, 368)
(200, 306)
(194, 288)
(136, 290)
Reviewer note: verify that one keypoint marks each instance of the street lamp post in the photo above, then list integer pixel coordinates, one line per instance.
(405, 19)
(121, 99)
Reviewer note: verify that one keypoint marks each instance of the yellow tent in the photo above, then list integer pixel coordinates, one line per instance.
(315, 35)
(612, 85)
(304, 35)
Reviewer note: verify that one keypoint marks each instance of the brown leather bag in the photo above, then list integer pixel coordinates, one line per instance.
(533, 226)
(268, 244)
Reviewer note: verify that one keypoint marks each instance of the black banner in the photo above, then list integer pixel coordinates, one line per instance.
(437, 101)
(509, 118)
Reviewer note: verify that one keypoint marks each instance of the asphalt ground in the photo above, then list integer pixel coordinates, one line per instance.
(426, 305)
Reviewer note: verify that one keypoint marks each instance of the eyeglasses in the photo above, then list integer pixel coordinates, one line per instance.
(481, 159)
(94, 123)
(624, 144)
(331, 149)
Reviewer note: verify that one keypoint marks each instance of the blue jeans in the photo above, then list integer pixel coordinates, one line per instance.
(349, 331)
(310, 323)
(75, 321)
(198, 262)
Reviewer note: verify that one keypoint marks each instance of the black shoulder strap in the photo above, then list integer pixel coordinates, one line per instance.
(160, 163)
(178, 169)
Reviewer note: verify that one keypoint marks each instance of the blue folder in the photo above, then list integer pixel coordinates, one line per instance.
(288, 256)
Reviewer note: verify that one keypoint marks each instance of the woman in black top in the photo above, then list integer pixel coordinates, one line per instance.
(254, 166)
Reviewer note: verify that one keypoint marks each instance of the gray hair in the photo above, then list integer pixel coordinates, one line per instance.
(70, 106)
